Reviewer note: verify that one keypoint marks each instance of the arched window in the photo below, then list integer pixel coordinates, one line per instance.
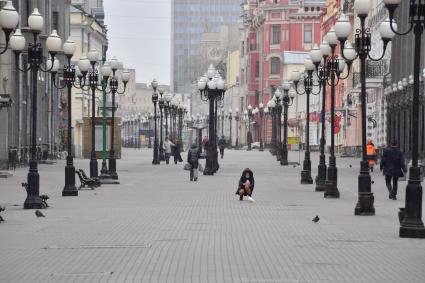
(275, 66)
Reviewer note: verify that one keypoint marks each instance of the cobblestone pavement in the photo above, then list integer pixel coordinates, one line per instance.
(157, 226)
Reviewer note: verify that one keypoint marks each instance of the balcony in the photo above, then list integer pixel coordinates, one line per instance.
(374, 71)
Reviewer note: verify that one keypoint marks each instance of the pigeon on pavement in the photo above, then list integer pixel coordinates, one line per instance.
(39, 214)
(316, 219)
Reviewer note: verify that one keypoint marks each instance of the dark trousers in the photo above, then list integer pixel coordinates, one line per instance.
(391, 189)
(221, 152)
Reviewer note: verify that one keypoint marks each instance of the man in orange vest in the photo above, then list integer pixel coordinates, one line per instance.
(371, 154)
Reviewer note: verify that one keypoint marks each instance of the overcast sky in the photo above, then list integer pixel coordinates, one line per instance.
(139, 36)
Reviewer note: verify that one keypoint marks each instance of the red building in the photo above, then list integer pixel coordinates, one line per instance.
(270, 28)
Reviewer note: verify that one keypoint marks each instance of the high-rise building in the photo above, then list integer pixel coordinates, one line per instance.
(191, 19)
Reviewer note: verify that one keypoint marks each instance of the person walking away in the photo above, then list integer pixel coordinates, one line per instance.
(246, 185)
(393, 167)
(371, 154)
(222, 145)
(177, 151)
(192, 159)
(167, 148)
(205, 143)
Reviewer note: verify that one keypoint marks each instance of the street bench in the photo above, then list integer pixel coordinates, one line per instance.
(86, 182)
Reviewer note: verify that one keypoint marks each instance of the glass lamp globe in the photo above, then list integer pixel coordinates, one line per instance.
(343, 28)
(125, 76)
(261, 106)
(392, 2)
(325, 48)
(9, 17)
(54, 42)
(308, 64)
(84, 63)
(295, 76)
(211, 71)
(230, 111)
(362, 7)
(93, 55)
(154, 83)
(349, 52)
(17, 41)
(69, 47)
(201, 84)
(316, 54)
(286, 85)
(212, 84)
(278, 94)
(386, 31)
(106, 70)
(331, 37)
(35, 21)
(115, 64)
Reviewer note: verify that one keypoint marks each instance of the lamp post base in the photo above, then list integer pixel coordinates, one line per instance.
(411, 224)
(306, 178)
(113, 167)
(284, 158)
(33, 200)
(364, 204)
(93, 167)
(331, 187)
(261, 145)
(321, 175)
(70, 190)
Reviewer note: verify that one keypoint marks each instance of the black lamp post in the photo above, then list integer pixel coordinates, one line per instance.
(277, 106)
(260, 128)
(212, 89)
(223, 116)
(307, 82)
(249, 114)
(330, 72)
(69, 77)
(236, 116)
(149, 119)
(287, 100)
(161, 142)
(167, 97)
(362, 45)
(411, 224)
(113, 85)
(230, 124)
(9, 20)
(271, 105)
(155, 160)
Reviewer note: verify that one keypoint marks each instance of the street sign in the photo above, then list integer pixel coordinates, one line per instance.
(293, 140)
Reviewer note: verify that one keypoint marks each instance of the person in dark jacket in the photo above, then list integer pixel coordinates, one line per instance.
(393, 167)
(177, 150)
(192, 159)
(221, 145)
(246, 185)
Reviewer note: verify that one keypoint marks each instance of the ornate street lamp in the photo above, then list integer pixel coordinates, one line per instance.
(329, 72)
(149, 119)
(237, 127)
(167, 97)
(265, 124)
(69, 48)
(230, 124)
(8, 21)
(362, 45)
(278, 116)
(260, 110)
(249, 114)
(411, 224)
(155, 160)
(161, 142)
(308, 84)
(272, 106)
(287, 100)
(212, 89)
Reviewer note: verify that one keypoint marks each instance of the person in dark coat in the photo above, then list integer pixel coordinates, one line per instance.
(221, 145)
(192, 159)
(246, 185)
(393, 167)
(177, 150)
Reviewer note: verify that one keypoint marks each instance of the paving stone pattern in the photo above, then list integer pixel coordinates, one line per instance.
(157, 226)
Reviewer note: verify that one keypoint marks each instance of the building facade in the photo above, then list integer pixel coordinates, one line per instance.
(190, 19)
(16, 124)
(267, 30)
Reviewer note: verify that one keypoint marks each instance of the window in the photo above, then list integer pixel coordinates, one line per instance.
(257, 69)
(276, 34)
(275, 66)
(308, 33)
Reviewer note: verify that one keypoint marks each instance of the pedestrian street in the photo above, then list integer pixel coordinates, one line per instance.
(157, 226)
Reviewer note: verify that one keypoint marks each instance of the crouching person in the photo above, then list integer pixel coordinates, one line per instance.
(192, 159)
(246, 185)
